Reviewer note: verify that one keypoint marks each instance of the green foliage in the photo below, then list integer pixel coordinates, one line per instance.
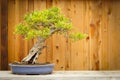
(77, 36)
(40, 24)
(21, 29)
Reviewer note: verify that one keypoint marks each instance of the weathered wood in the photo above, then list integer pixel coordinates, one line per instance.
(4, 35)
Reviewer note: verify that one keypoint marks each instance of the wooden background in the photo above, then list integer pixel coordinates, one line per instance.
(0, 34)
(99, 19)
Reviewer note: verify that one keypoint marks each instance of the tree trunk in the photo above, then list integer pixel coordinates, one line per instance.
(37, 48)
(34, 53)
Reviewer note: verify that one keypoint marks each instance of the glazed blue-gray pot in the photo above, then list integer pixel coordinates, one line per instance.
(32, 69)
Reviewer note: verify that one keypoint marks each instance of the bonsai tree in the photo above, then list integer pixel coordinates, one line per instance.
(42, 25)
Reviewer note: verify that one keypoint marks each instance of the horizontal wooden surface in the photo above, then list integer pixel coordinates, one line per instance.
(64, 75)
(99, 19)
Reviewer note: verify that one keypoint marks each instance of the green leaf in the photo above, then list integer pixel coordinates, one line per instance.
(77, 36)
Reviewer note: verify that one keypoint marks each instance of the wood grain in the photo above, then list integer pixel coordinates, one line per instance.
(77, 54)
(104, 55)
(113, 35)
(0, 34)
(4, 35)
(86, 42)
(95, 34)
(99, 19)
(11, 35)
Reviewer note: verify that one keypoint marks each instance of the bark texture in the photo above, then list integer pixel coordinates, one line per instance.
(36, 50)
(34, 53)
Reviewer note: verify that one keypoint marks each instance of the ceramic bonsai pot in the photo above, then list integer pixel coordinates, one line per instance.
(32, 69)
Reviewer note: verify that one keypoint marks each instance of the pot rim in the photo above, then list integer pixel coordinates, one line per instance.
(36, 65)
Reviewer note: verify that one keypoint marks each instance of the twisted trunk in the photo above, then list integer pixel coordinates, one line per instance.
(34, 52)
(36, 49)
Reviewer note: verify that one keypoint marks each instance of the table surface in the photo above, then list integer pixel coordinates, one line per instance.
(67, 74)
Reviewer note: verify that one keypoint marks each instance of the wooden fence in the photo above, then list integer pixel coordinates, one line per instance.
(0, 34)
(99, 19)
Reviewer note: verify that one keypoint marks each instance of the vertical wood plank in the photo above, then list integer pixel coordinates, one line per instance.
(11, 27)
(113, 35)
(77, 47)
(4, 35)
(16, 36)
(86, 42)
(0, 34)
(39, 4)
(30, 5)
(67, 43)
(104, 55)
(95, 34)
